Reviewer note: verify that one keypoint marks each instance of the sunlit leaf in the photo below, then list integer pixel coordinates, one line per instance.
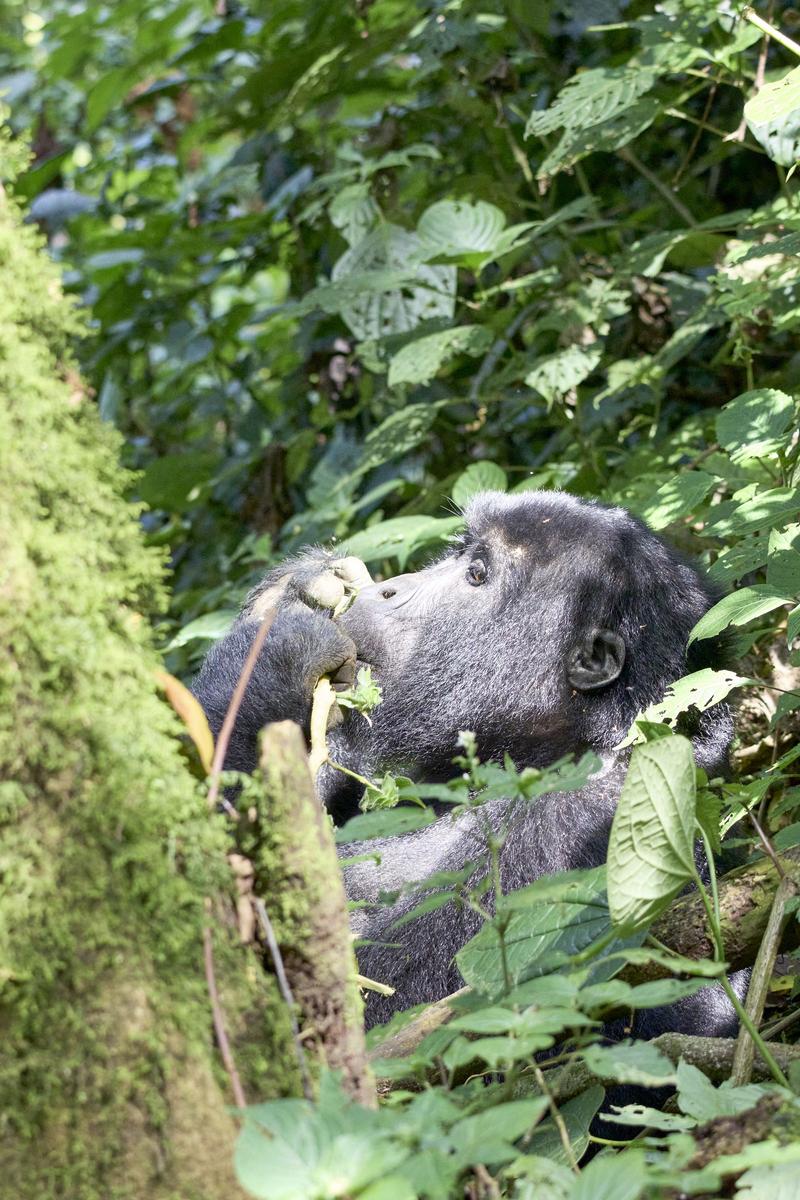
(651, 846)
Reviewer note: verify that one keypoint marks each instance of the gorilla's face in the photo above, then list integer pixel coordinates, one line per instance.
(487, 638)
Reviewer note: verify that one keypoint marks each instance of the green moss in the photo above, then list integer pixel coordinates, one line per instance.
(109, 1082)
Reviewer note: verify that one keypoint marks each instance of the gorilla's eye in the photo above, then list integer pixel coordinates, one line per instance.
(476, 572)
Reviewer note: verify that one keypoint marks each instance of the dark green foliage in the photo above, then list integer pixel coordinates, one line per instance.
(346, 264)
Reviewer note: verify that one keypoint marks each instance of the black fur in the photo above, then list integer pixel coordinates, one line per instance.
(493, 658)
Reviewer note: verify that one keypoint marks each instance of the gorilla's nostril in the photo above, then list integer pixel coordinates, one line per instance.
(387, 593)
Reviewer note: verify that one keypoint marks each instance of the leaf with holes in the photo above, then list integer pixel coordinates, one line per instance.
(559, 373)
(430, 294)
(738, 609)
(651, 846)
(418, 361)
(700, 690)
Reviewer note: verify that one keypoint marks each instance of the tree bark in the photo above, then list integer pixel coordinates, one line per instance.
(110, 1083)
(288, 837)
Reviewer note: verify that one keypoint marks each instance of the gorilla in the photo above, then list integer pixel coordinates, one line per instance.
(545, 629)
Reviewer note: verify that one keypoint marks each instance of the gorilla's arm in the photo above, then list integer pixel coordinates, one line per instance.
(302, 645)
(542, 837)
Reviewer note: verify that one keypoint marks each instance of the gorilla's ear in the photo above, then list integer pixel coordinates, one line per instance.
(596, 661)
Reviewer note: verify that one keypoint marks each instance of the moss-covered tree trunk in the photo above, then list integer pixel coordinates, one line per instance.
(111, 1087)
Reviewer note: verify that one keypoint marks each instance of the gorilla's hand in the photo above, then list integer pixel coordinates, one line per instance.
(316, 580)
(302, 645)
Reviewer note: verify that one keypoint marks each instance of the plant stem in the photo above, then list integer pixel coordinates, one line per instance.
(752, 16)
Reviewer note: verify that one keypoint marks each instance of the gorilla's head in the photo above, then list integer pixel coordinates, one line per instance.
(545, 629)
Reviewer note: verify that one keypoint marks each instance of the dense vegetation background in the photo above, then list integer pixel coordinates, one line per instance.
(345, 264)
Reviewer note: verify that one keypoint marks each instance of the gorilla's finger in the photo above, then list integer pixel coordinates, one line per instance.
(353, 571)
(344, 676)
(325, 591)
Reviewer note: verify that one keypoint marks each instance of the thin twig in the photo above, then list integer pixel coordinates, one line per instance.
(221, 748)
(286, 992)
(219, 1022)
(750, 15)
(663, 189)
(766, 843)
(557, 1118)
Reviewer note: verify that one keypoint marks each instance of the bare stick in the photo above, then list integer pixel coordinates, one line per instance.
(759, 981)
(219, 1022)
(286, 992)
(221, 748)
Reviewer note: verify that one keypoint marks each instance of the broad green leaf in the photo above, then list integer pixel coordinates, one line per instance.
(773, 117)
(737, 609)
(651, 846)
(399, 433)
(592, 96)
(699, 690)
(630, 1062)
(793, 625)
(550, 920)
(699, 1098)
(460, 231)
(487, 1136)
(677, 498)
(783, 564)
(559, 373)
(482, 476)
(739, 560)
(576, 143)
(538, 1178)
(751, 425)
(399, 537)
(169, 481)
(762, 511)
(419, 361)
(577, 1116)
(390, 248)
(769, 1181)
(213, 626)
(622, 1176)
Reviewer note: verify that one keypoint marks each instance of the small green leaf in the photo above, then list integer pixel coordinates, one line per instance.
(482, 476)
(592, 96)
(737, 609)
(761, 511)
(651, 847)
(384, 822)
(751, 425)
(621, 1176)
